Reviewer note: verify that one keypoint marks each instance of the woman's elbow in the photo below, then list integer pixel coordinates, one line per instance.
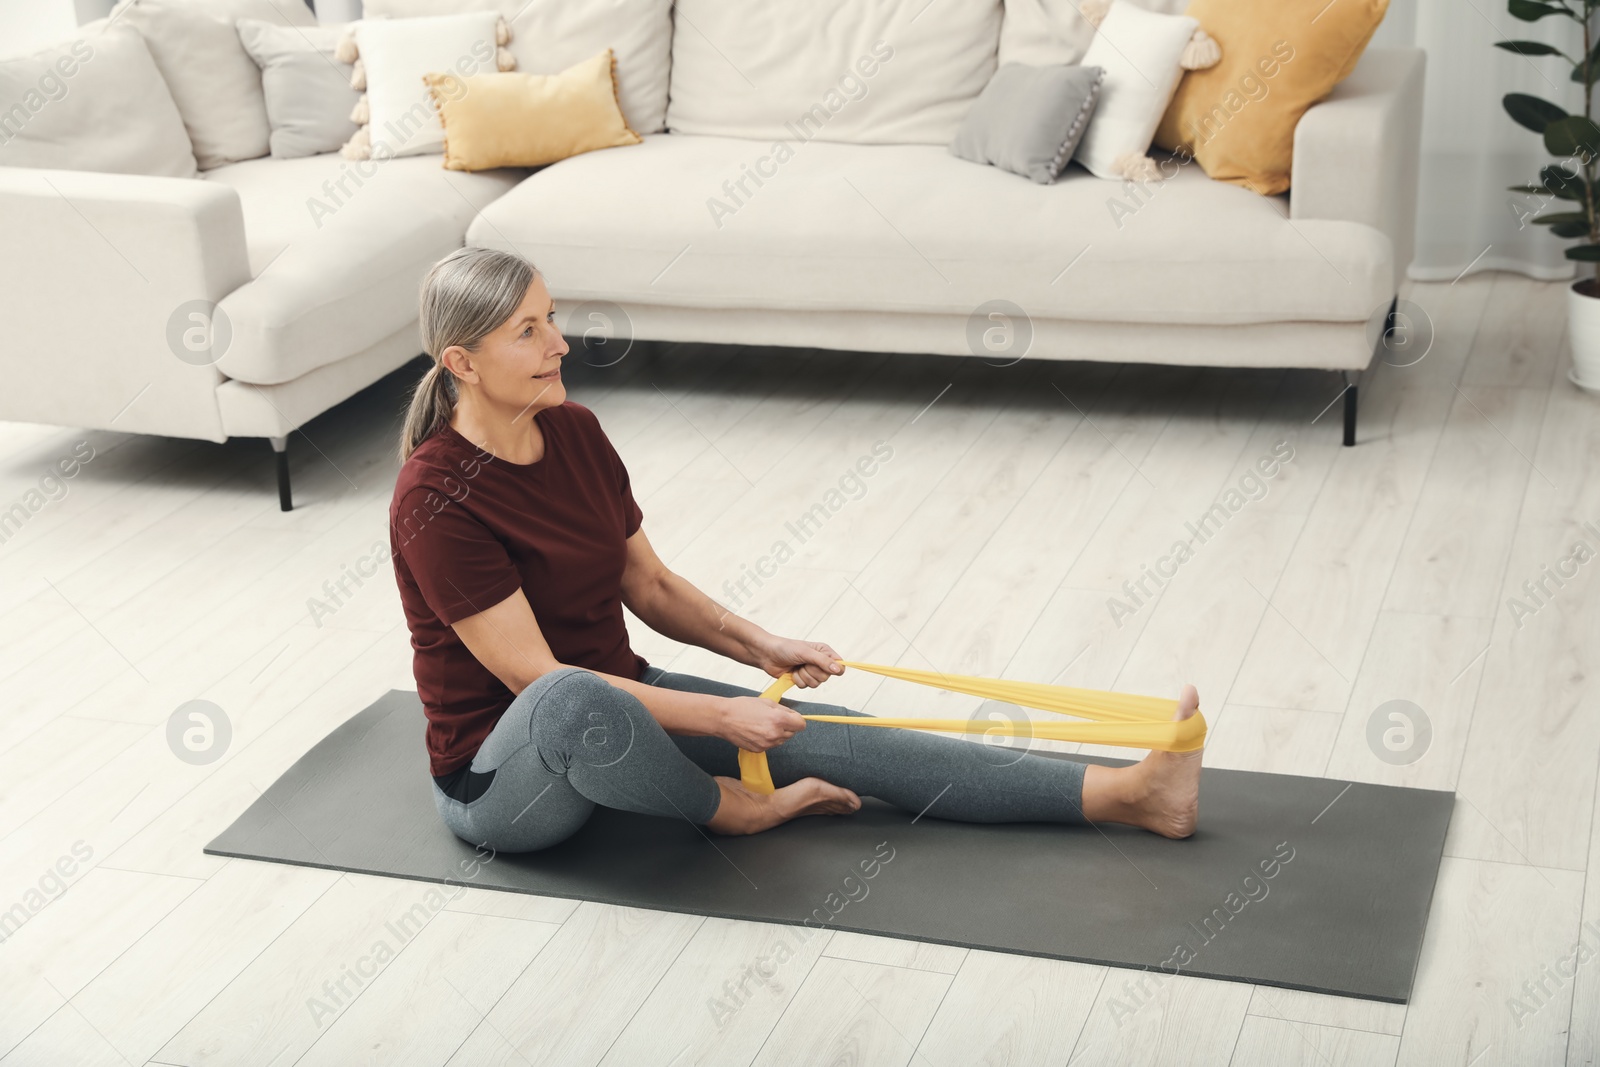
(525, 674)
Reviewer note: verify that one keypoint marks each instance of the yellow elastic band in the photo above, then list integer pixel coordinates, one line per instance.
(1121, 719)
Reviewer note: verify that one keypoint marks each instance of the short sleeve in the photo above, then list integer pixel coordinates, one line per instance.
(635, 516)
(460, 567)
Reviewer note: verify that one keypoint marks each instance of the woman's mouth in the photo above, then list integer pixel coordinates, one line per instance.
(549, 377)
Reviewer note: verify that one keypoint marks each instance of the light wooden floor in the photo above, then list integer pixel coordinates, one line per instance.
(1016, 502)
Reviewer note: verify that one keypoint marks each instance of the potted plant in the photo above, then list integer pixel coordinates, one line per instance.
(1575, 138)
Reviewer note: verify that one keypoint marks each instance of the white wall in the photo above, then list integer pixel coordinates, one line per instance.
(1399, 25)
(332, 11)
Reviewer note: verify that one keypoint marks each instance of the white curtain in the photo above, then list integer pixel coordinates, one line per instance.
(1467, 220)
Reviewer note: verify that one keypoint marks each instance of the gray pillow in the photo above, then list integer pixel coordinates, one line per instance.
(308, 92)
(1028, 120)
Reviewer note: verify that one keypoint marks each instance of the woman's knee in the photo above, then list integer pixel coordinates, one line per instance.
(581, 717)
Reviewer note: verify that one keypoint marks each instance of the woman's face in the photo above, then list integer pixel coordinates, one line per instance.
(518, 365)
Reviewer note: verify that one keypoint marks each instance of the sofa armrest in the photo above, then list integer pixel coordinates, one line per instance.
(1356, 154)
(97, 267)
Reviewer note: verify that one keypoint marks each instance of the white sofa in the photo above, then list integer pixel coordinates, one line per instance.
(875, 238)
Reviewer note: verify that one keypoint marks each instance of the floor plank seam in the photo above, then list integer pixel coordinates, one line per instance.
(778, 463)
(1083, 1028)
(1110, 509)
(1394, 564)
(1329, 1026)
(1162, 592)
(894, 966)
(804, 978)
(1505, 567)
(980, 549)
(486, 1012)
(676, 956)
(1583, 900)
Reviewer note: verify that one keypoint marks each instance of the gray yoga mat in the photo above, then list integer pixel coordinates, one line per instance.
(1352, 867)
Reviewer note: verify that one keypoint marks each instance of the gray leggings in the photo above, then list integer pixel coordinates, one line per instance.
(572, 740)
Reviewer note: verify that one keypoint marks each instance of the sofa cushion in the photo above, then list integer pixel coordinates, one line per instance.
(215, 83)
(337, 250)
(862, 71)
(681, 221)
(93, 102)
(549, 36)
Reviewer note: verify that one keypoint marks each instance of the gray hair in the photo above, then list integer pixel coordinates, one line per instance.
(464, 298)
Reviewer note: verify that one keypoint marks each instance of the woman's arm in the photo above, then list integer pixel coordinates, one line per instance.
(507, 640)
(673, 607)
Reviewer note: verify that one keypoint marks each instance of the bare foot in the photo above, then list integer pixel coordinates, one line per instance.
(1160, 793)
(744, 812)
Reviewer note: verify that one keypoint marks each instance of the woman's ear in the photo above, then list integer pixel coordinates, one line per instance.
(459, 362)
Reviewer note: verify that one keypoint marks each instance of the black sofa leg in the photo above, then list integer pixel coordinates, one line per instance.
(1350, 386)
(280, 446)
(1350, 414)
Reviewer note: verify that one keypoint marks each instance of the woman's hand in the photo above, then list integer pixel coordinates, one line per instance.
(812, 662)
(756, 724)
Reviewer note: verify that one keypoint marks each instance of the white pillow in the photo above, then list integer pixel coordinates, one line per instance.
(1140, 52)
(549, 36)
(395, 54)
(860, 71)
(213, 80)
(95, 102)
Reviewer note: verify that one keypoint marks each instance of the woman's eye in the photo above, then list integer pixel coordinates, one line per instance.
(527, 331)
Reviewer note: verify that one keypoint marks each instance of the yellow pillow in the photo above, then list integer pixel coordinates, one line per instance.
(526, 120)
(1278, 58)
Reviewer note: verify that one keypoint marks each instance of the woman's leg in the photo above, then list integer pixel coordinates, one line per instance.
(569, 741)
(948, 777)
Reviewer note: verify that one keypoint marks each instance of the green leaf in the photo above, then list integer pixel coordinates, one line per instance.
(1562, 218)
(1570, 229)
(1532, 112)
(1562, 182)
(1539, 190)
(1587, 253)
(1573, 136)
(1529, 48)
(1533, 10)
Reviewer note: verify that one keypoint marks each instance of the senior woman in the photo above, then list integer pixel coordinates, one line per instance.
(516, 543)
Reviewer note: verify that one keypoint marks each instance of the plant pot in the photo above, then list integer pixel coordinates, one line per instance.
(1583, 333)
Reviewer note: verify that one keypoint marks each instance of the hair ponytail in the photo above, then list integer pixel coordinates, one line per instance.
(464, 298)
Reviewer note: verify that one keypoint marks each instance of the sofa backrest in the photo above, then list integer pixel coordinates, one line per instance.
(548, 36)
(862, 71)
(1042, 32)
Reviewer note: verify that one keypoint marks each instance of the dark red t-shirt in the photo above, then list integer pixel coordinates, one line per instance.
(466, 530)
